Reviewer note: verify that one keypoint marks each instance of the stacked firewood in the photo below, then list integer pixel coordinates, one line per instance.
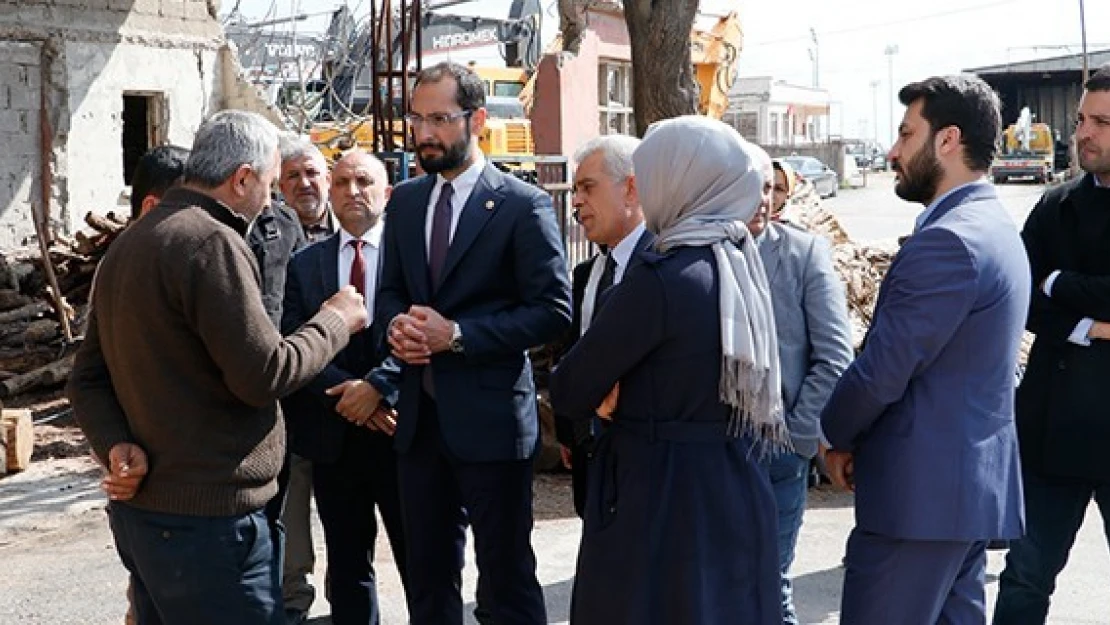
(43, 304)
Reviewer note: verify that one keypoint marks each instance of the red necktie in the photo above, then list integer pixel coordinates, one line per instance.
(358, 268)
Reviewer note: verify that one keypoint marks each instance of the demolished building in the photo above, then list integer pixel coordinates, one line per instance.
(87, 86)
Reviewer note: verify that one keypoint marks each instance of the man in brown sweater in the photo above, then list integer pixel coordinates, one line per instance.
(176, 385)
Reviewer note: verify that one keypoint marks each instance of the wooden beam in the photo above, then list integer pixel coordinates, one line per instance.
(20, 433)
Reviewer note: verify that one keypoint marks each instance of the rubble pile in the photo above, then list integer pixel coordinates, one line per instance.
(43, 304)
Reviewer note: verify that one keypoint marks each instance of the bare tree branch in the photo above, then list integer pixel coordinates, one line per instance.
(572, 24)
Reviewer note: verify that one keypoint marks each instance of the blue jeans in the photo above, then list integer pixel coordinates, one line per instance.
(1054, 511)
(788, 472)
(187, 570)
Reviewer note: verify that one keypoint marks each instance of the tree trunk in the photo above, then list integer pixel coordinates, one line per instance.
(572, 24)
(663, 84)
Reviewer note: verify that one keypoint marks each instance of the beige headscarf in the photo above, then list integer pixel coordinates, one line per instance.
(700, 183)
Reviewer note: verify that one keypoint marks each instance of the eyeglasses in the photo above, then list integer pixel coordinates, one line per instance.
(437, 120)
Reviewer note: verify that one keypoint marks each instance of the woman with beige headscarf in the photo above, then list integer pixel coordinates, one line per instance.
(680, 519)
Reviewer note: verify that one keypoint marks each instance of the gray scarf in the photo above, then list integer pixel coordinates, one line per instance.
(699, 183)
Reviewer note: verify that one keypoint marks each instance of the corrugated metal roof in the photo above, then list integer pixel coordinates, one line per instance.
(1067, 63)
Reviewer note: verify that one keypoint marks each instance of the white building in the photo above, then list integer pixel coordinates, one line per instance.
(772, 112)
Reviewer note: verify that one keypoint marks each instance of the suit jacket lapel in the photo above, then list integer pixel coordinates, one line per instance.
(769, 252)
(329, 267)
(971, 193)
(642, 244)
(409, 222)
(482, 204)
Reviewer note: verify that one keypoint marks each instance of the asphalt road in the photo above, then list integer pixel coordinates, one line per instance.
(58, 565)
(876, 213)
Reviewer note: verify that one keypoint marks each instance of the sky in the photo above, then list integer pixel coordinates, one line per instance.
(935, 37)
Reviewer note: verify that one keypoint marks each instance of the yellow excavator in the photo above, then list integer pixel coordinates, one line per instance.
(510, 91)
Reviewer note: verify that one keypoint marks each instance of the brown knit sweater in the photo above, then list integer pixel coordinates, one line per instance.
(181, 359)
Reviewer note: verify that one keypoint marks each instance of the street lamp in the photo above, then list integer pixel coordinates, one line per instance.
(875, 111)
(1083, 29)
(890, 51)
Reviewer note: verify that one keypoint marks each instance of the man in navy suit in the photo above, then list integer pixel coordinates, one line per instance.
(354, 466)
(922, 423)
(473, 276)
(608, 207)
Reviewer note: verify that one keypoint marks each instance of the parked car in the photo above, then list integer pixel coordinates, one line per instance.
(824, 179)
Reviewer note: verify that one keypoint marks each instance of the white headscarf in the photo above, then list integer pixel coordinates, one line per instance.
(700, 183)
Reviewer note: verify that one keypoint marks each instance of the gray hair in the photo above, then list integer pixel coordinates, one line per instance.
(225, 142)
(616, 153)
(294, 146)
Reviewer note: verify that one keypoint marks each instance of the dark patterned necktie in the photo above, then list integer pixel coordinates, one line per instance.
(605, 282)
(441, 234)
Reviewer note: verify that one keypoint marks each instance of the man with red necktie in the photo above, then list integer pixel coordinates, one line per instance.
(354, 465)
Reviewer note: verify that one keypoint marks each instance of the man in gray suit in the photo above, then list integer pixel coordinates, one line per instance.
(815, 347)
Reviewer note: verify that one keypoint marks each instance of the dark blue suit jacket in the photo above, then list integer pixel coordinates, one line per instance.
(316, 431)
(505, 282)
(928, 406)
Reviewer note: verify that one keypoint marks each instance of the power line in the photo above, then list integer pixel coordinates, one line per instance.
(907, 20)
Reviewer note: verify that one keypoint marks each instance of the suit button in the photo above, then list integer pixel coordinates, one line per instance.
(1061, 365)
(166, 535)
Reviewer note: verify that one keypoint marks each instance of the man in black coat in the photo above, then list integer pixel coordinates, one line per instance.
(607, 206)
(1063, 417)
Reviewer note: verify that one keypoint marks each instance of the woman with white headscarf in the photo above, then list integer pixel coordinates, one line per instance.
(680, 519)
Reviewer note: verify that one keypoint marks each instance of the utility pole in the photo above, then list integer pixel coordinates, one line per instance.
(1083, 29)
(875, 111)
(815, 55)
(890, 51)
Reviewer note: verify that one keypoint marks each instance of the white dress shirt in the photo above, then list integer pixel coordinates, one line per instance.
(371, 253)
(622, 253)
(462, 186)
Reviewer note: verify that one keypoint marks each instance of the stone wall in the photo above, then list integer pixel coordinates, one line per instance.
(64, 68)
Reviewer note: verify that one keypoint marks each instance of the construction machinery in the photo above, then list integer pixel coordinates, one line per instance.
(1028, 151)
(714, 53)
(343, 121)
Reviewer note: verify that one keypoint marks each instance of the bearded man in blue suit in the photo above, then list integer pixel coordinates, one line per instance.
(922, 423)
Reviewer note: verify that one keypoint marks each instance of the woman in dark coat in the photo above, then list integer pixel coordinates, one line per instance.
(680, 520)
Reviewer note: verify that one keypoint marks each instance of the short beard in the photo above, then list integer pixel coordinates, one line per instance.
(1096, 166)
(453, 157)
(920, 176)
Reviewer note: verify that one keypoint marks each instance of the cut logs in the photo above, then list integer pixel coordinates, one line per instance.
(37, 322)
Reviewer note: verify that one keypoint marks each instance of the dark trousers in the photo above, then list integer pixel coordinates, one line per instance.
(347, 492)
(1054, 511)
(439, 495)
(187, 570)
(273, 516)
(913, 582)
(580, 456)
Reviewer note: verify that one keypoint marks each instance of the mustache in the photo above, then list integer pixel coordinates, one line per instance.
(431, 144)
